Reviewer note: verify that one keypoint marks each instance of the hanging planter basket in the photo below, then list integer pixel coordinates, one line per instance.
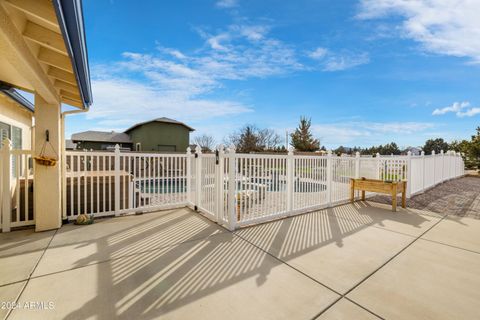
(45, 161)
(42, 159)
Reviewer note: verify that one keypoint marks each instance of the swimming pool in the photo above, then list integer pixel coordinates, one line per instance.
(161, 186)
(179, 185)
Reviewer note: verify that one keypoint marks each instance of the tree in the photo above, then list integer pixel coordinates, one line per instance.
(302, 138)
(340, 150)
(389, 148)
(252, 139)
(206, 142)
(473, 152)
(269, 139)
(435, 145)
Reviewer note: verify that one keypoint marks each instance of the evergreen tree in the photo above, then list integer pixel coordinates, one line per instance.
(302, 138)
(435, 145)
(474, 150)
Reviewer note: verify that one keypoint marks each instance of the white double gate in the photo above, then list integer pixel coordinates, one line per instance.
(230, 188)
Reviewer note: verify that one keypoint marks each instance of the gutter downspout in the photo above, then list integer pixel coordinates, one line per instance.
(64, 167)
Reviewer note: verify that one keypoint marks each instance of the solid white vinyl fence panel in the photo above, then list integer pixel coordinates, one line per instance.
(417, 176)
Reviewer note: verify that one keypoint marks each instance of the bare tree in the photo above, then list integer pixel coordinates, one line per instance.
(269, 139)
(252, 139)
(205, 141)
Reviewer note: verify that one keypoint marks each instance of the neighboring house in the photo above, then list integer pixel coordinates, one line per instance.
(70, 145)
(416, 151)
(162, 134)
(100, 140)
(16, 118)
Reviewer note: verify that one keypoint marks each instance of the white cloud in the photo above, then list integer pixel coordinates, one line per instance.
(367, 133)
(120, 103)
(345, 61)
(173, 83)
(469, 113)
(461, 109)
(338, 61)
(449, 27)
(226, 3)
(246, 50)
(318, 53)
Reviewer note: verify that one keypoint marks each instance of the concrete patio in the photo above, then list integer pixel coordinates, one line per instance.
(356, 261)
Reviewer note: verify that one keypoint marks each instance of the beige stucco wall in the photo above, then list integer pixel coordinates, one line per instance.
(13, 114)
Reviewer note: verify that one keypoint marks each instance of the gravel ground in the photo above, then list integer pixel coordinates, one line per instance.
(459, 197)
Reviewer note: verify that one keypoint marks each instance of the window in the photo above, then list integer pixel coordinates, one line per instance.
(11, 132)
(4, 132)
(138, 146)
(15, 135)
(16, 138)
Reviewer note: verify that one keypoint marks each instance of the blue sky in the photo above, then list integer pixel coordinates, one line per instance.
(366, 72)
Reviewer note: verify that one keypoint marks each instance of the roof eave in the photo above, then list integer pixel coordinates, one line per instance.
(70, 18)
(17, 97)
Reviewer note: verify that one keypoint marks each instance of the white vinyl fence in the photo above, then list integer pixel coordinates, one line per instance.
(107, 183)
(16, 187)
(230, 188)
(243, 189)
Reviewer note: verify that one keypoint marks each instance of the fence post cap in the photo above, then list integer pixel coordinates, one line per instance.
(377, 155)
(117, 148)
(422, 153)
(409, 153)
(231, 148)
(220, 148)
(433, 152)
(441, 152)
(189, 150)
(357, 154)
(329, 152)
(198, 149)
(290, 150)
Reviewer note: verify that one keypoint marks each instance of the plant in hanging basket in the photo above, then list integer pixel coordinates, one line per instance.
(42, 159)
(45, 161)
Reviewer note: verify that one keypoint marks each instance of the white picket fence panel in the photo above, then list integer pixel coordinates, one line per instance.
(230, 188)
(116, 183)
(16, 187)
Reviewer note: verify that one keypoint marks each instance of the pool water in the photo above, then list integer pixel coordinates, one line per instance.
(163, 186)
(160, 186)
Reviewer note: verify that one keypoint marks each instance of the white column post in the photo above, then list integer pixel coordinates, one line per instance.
(189, 175)
(290, 176)
(434, 169)
(409, 174)
(423, 170)
(47, 180)
(442, 156)
(219, 183)
(6, 195)
(232, 201)
(357, 165)
(116, 170)
(329, 178)
(377, 156)
(198, 177)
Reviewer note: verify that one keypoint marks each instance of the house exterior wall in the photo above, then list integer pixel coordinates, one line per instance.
(159, 136)
(14, 115)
